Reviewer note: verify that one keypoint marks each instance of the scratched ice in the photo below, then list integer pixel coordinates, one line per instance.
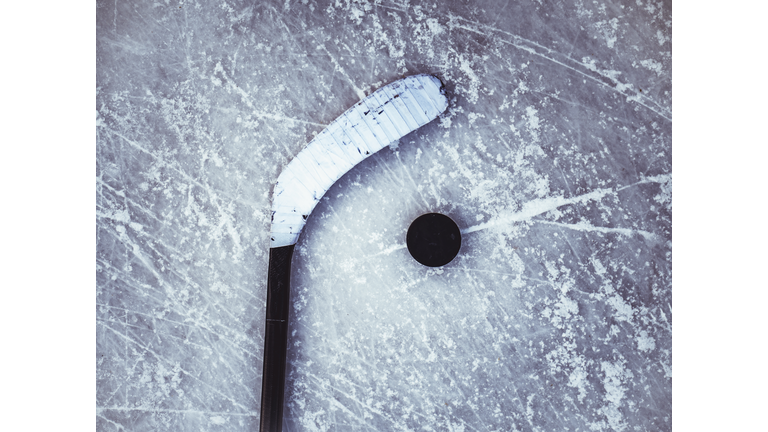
(554, 157)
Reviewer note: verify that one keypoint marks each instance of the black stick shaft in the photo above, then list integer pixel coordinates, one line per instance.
(276, 338)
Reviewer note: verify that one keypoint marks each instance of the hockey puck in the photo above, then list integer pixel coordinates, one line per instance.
(433, 239)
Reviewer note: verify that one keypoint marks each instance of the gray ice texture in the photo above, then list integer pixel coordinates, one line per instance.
(554, 158)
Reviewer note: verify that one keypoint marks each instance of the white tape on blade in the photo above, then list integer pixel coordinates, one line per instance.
(383, 117)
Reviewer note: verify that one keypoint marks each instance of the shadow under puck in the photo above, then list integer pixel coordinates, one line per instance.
(433, 239)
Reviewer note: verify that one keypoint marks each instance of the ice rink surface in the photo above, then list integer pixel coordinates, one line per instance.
(553, 157)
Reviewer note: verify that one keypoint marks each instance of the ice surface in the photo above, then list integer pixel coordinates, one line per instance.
(554, 157)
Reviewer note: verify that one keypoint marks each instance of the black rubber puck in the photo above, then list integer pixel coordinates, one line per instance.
(433, 239)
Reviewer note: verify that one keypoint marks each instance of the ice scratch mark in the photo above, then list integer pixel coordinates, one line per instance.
(537, 207)
(247, 99)
(617, 87)
(540, 206)
(661, 178)
(116, 425)
(283, 118)
(189, 374)
(337, 67)
(172, 411)
(549, 54)
(191, 324)
(587, 227)
(390, 249)
(573, 249)
(402, 8)
(186, 176)
(410, 177)
(325, 386)
(136, 250)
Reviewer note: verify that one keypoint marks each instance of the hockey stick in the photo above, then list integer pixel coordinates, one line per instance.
(378, 120)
